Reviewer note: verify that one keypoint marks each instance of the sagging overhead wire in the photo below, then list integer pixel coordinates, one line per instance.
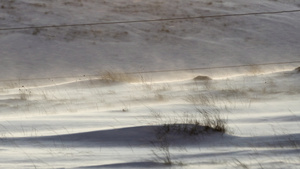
(148, 20)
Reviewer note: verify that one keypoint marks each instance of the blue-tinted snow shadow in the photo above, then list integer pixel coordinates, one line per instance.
(147, 136)
(123, 137)
(128, 165)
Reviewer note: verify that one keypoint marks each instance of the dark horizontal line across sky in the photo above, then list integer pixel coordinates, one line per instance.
(149, 20)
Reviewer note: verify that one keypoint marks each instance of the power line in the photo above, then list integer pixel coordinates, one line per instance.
(208, 68)
(155, 71)
(148, 20)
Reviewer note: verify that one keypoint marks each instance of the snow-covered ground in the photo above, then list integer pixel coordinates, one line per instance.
(144, 120)
(92, 123)
(177, 44)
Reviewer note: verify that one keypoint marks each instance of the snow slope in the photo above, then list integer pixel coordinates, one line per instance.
(148, 120)
(142, 46)
(98, 124)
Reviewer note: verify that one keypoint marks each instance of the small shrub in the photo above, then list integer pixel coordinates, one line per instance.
(202, 78)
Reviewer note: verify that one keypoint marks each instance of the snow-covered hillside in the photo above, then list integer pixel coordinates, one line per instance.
(252, 122)
(142, 46)
(83, 112)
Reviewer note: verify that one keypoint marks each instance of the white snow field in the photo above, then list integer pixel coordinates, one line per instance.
(65, 101)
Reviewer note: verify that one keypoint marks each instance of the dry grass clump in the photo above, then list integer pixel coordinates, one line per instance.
(211, 119)
(110, 76)
(163, 154)
(205, 81)
(233, 93)
(202, 122)
(254, 70)
(201, 99)
(202, 78)
(24, 93)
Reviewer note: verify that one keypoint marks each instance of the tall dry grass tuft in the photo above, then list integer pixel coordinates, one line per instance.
(202, 122)
(211, 119)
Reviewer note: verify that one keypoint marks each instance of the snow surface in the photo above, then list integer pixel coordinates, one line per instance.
(195, 43)
(92, 123)
(85, 121)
